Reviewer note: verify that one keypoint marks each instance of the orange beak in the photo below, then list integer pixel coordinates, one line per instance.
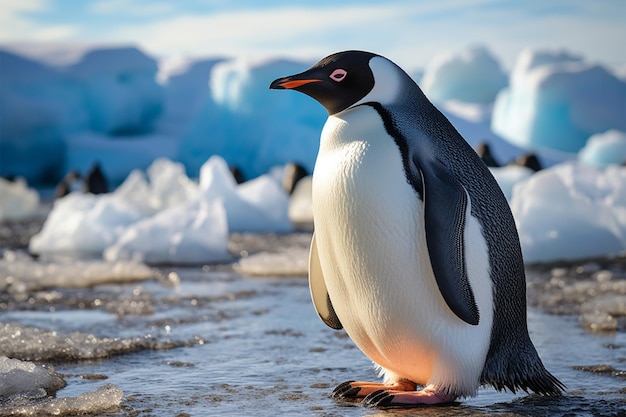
(288, 84)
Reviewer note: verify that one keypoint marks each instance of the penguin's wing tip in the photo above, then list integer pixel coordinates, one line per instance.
(445, 209)
(319, 292)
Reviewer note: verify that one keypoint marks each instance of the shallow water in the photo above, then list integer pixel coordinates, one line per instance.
(212, 341)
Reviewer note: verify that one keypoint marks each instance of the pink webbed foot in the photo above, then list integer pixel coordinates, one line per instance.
(427, 396)
(361, 389)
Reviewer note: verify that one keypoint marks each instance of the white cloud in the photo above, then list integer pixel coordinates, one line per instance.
(13, 7)
(296, 31)
(410, 33)
(131, 7)
(14, 26)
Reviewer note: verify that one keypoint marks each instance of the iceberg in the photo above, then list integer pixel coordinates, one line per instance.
(36, 102)
(557, 101)
(110, 91)
(121, 93)
(249, 126)
(472, 76)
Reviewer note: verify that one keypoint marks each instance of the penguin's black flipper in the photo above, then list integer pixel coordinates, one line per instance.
(445, 209)
(319, 293)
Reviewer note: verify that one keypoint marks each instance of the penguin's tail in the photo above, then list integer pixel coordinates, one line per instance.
(543, 383)
(523, 372)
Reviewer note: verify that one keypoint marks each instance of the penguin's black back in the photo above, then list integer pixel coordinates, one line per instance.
(512, 361)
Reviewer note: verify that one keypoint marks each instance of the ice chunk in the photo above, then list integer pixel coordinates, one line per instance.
(104, 399)
(270, 202)
(23, 274)
(557, 101)
(17, 201)
(31, 343)
(165, 186)
(170, 185)
(19, 377)
(604, 149)
(259, 205)
(571, 211)
(291, 262)
(83, 223)
(192, 233)
(472, 76)
(508, 176)
(89, 224)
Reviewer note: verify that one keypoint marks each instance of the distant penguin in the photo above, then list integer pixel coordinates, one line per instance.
(70, 183)
(484, 151)
(293, 173)
(415, 252)
(95, 181)
(237, 174)
(528, 160)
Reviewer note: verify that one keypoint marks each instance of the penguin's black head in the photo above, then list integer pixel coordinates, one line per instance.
(337, 81)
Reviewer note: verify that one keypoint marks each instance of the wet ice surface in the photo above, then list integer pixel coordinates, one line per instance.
(216, 341)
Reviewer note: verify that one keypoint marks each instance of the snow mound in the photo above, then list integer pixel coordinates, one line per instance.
(571, 211)
(20, 377)
(556, 101)
(604, 149)
(17, 201)
(472, 76)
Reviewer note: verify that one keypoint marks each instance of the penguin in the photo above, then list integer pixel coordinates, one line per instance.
(528, 160)
(484, 151)
(95, 181)
(415, 253)
(293, 173)
(237, 174)
(70, 183)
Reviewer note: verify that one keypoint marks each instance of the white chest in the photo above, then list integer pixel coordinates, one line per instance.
(367, 223)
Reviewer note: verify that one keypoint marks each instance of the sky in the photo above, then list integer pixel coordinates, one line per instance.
(410, 32)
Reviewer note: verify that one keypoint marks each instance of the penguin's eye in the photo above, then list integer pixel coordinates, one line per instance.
(338, 75)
